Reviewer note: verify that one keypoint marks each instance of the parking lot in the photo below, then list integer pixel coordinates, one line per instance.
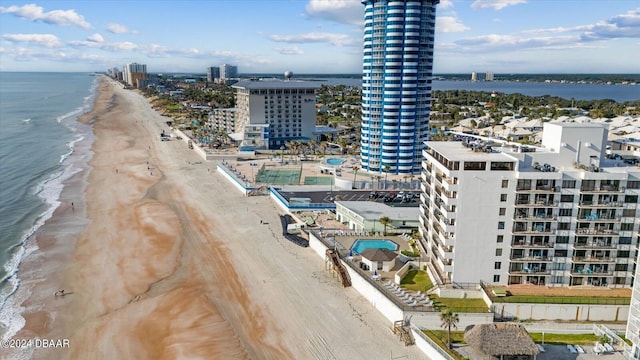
(391, 198)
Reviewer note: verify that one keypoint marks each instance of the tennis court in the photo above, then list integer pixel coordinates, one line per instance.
(278, 176)
(318, 180)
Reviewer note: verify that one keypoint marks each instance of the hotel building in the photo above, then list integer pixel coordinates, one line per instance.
(134, 72)
(281, 110)
(557, 215)
(396, 83)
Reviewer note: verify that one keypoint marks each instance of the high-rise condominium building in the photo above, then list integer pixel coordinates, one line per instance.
(396, 83)
(213, 74)
(558, 215)
(633, 323)
(228, 71)
(134, 72)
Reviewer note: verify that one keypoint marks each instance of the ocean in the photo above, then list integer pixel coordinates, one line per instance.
(38, 133)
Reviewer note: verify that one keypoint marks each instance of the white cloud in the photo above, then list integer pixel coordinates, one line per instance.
(448, 24)
(119, 29)
(341, 11)
(57, 17)
(445, 4)
(45, 40)
(495, 4)
(291, 50)
(96, 38)
(316, 37)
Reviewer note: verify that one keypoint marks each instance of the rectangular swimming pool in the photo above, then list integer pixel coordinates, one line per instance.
(361, 245)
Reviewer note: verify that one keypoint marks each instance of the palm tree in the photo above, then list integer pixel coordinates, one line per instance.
(355, 173)
(387, 168)
(449, 319)
(386, 222)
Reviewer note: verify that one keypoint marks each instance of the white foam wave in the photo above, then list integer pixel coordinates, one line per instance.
(26, 120)
(49, 190)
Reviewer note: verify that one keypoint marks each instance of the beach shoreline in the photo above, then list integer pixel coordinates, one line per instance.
(173, 263)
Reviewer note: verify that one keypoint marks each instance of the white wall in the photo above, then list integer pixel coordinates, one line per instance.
(570, 312)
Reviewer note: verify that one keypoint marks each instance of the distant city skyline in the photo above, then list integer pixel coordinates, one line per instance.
(313, 36)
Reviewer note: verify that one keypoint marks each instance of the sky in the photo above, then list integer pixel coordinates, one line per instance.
(313, 36)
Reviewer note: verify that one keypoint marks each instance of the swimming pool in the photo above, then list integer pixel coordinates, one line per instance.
(334, 161)
(361, 245)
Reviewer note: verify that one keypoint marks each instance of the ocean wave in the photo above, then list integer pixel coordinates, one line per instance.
(12, 292)
(26, 120)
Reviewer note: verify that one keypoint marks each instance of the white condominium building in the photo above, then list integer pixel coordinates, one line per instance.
(557, 215)
(633, 324)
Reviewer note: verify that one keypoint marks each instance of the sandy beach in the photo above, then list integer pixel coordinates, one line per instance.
(166, 260)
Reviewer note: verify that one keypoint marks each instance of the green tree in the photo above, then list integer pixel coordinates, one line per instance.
(385, 221)
(387, 168)
(449, 320)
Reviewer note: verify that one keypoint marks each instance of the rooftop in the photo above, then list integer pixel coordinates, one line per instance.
(371, 210)
(276, 84)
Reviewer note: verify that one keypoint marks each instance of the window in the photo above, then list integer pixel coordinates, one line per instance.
(631, 199)
(562, 239)
(497, 265)
(502, 211)
(560, 253)
(505, 184)
(499, 252)
(626, 226)
(566, 198)
(500, 225)
(568, 184)
(475, 165)
(500, 238)
(557, 279)
(625, 240)
(633, 184)
(624, 254)
(564, 226)
(621, 267)
(629, 212)
(503, 197)
(496, 278)
(501, 166)
(565, 212)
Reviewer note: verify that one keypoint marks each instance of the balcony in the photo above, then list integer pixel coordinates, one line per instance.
(589, 204)
(592, 259)
(531, 258)
(595, 245)
(589, 272)
(597, 231)
(535, 244)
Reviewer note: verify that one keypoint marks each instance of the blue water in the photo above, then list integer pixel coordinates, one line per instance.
(38, 131)
(361, 245)
(334, 161)
(619, 93)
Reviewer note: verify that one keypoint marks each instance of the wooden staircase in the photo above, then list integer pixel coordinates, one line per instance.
(332, 256)
(402, 329)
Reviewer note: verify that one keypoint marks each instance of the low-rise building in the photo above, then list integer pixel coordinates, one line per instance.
(365, 216)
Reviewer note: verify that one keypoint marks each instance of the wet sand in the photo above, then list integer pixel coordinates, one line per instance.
(172, 262)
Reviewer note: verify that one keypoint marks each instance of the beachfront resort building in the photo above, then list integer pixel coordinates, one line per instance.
(280, 110)
(134, 73)
(396, 83)
(558, 215)
(223, 119)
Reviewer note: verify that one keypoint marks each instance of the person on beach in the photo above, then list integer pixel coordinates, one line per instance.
(72, 207)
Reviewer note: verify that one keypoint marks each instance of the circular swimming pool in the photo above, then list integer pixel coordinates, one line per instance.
(334, 161)
(361, 245)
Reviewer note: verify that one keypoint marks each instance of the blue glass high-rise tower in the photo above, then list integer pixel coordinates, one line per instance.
(396, 83)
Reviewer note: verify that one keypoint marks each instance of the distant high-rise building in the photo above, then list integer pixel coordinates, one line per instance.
(488, 76)
(133, 72)
(213, 74)
(228, 71)
(396, 83)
